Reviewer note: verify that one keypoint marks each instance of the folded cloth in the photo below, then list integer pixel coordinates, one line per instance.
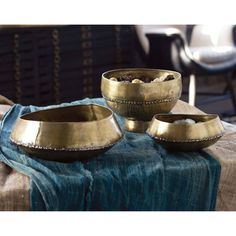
(136, 174)
(5, 101)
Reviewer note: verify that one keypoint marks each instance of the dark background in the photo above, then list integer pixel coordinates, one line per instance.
(45, 65)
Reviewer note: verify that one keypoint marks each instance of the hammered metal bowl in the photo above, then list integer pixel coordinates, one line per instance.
(68, 133)
(185, 137)
(138, 103)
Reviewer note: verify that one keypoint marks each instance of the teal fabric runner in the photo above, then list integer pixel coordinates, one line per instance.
(136, 174)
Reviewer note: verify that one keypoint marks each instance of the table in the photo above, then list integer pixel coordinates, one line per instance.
(15, 190)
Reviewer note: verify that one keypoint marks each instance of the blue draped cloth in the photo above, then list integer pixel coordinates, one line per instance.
(136, 174)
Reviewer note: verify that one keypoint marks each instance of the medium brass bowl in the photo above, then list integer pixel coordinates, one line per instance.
(138, 103)
(68, 133)
(185, 137)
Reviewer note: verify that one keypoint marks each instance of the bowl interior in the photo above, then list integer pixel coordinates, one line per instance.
(79, 113)
(197, 118)
(140, 73)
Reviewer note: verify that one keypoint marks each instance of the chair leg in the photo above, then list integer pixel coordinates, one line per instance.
(232, 91)
(192, 90)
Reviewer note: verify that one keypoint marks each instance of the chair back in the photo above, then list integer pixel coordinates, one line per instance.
(141, 30)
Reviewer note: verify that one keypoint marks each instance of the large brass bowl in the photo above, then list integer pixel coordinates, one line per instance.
(138, 103)
(68, 133)
(185, 137)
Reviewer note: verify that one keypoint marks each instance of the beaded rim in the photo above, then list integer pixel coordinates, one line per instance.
(186, 140)
(33, 146)
(122, 101)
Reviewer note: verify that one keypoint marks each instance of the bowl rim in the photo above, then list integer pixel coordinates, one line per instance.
(22, 117)
(140, 69)
(214, 116)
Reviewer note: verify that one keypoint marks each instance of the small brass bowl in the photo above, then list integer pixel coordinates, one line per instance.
(67, 134)
(139, 102)
(185, 137)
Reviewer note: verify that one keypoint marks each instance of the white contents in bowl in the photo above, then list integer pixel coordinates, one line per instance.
(158, 80)
(185, 122)
(113, 79)
(137, 81)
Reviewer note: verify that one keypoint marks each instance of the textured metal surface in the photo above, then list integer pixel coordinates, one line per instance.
(185, 137)
(141, 101)
(136, 125)
(67, 133)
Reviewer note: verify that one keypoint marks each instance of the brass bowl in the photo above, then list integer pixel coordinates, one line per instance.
(185, 137)
(67, 134)
(138, 103)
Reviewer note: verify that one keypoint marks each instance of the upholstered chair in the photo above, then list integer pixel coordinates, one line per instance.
(209, 51)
